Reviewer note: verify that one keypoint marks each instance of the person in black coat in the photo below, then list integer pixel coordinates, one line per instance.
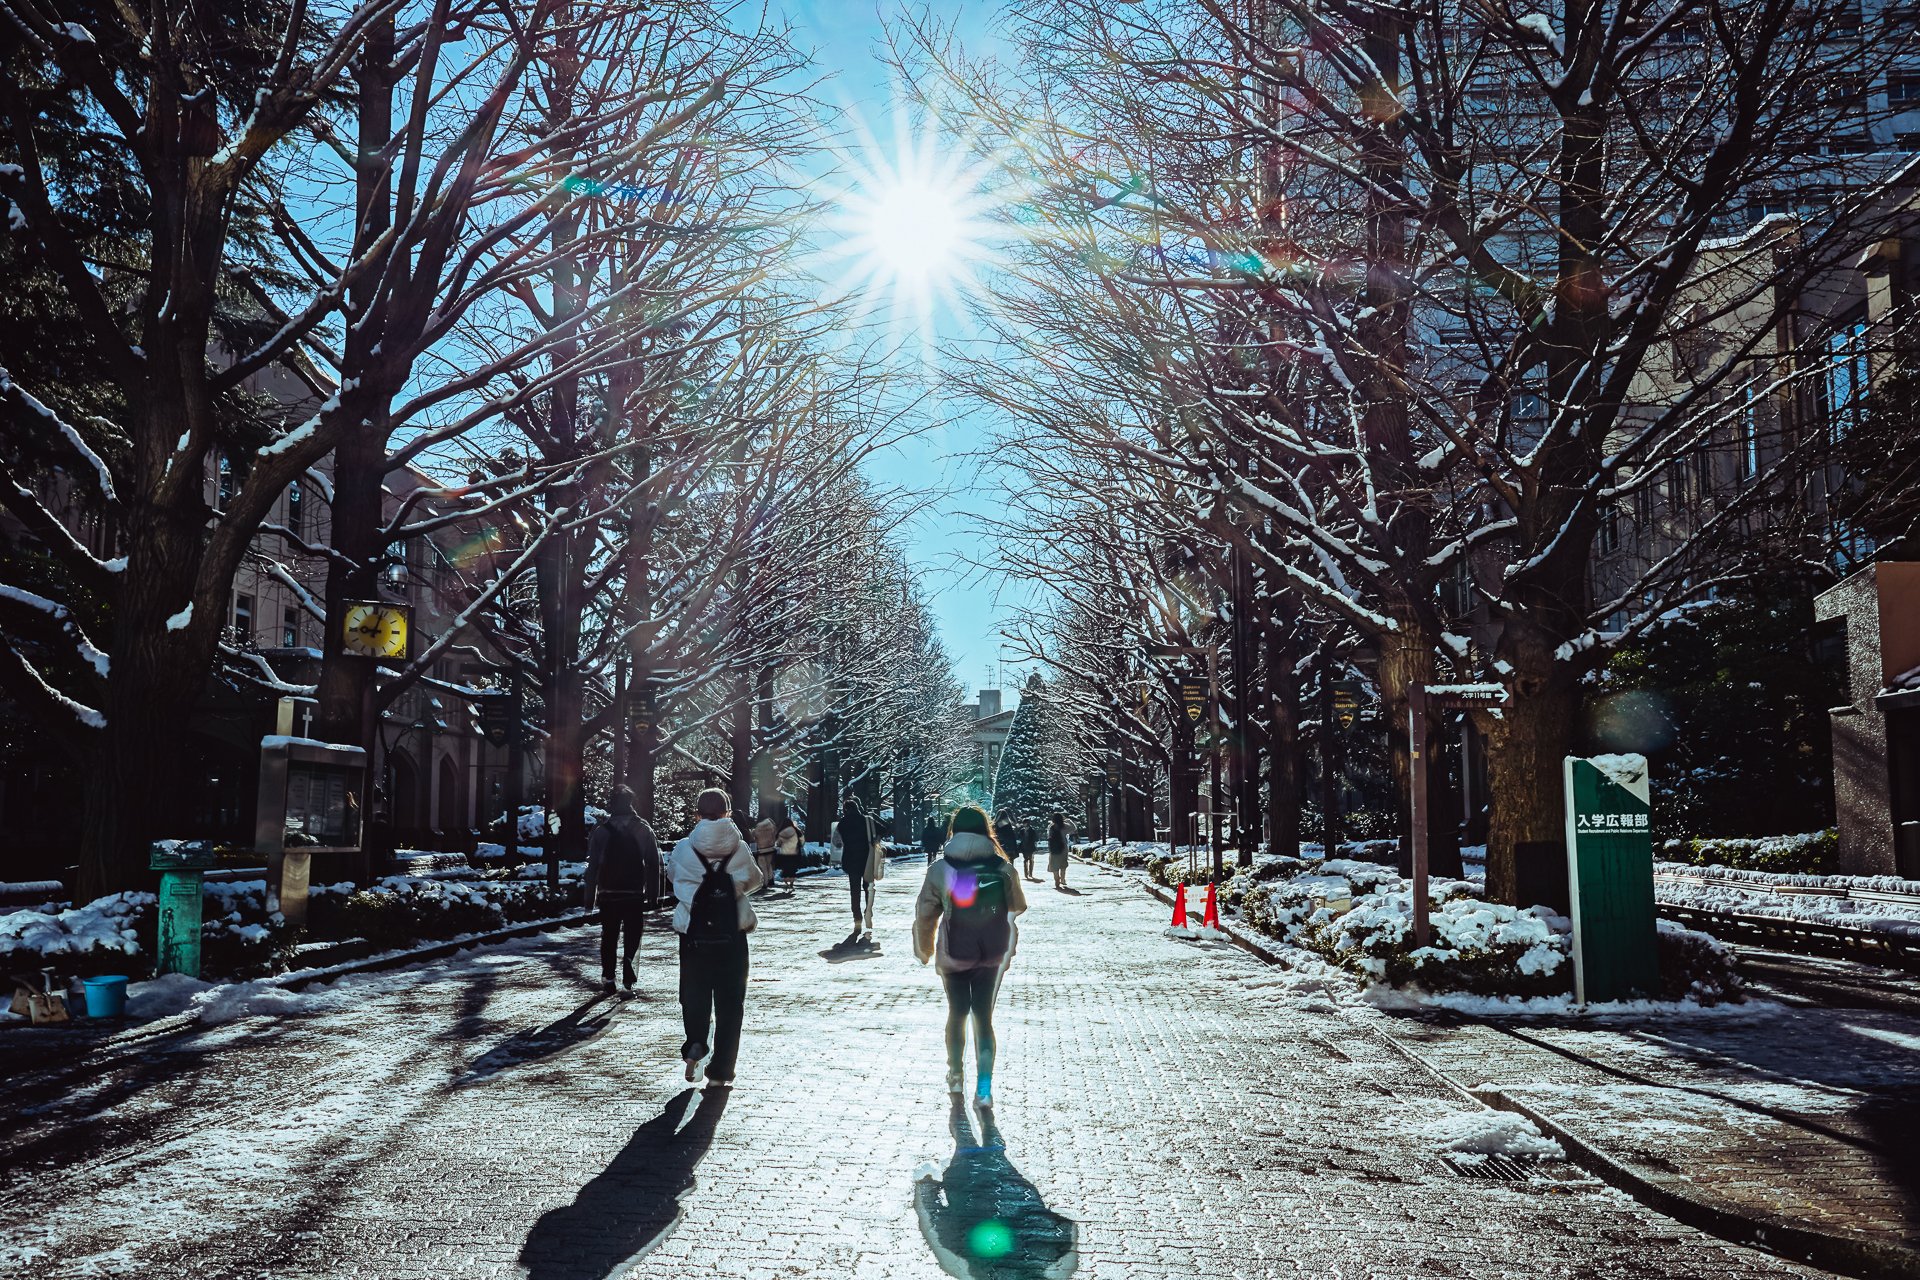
(622, 879)
(856, 846)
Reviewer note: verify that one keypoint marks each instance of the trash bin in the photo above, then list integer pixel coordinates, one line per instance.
(106, 996)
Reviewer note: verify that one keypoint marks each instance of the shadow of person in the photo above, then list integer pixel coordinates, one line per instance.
(631, 1205)
(537, 1043)
(984, 1221)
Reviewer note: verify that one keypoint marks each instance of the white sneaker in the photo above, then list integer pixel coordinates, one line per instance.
(954, 1083)
(983, 1101)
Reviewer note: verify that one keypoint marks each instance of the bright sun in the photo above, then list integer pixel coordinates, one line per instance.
(916, 231)
(909, 230)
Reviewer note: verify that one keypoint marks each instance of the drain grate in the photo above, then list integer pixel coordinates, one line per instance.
(1494, 1168)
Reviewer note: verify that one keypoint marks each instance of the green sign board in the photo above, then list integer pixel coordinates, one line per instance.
(1610, 878)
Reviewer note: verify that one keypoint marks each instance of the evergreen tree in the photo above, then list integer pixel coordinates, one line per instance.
(1035, 778)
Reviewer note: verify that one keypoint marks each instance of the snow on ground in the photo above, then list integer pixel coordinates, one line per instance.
(1491, 1133)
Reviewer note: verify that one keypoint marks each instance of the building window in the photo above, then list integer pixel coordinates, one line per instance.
(1747, 440)
(290, 628)
(224, 469)
(1904, 89)
(1609, 528)
(294, 512)
(243, 618)
(1846, 385)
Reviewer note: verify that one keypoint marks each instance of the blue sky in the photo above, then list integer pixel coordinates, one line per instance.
(847, 36)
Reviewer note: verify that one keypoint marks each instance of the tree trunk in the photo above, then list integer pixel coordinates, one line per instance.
(133, 781)
(1283, 759)
(1525, 748)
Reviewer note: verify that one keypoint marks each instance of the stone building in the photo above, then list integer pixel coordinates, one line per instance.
(1876, 732)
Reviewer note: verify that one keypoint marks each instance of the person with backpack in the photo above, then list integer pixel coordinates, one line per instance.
(1057, 850)
(622, 880)
(1024, 841)
(713, 872)
(963, 921)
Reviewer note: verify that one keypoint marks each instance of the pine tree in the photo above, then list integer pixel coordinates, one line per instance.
(1035, 779)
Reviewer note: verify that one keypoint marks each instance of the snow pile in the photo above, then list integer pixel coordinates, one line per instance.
(103, 929)
(1491, 1133)
(1197, 933)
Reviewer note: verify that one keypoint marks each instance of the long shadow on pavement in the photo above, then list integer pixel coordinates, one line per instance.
(538, 1043)
(984, 1220)
(632, 1205)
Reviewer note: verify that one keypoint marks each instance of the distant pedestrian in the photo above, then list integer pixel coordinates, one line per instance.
(933, 836)
(963, 921)
(765, 836)
(786, 856)
(1057, 850)
(1027, 844)
(853, 835)
(713, 872)
(622, 880)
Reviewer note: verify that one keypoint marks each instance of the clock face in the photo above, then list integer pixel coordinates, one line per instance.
(375, 630)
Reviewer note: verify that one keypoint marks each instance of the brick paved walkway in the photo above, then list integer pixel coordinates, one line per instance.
(1806, 1116)
(491, 1119)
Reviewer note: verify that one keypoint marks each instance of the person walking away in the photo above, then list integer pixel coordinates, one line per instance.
(855, 840)
(1023, 837)
(963, 921)
(786, 856)
(1057, 850)
(622, 880)
(763, 848)
(714, 873)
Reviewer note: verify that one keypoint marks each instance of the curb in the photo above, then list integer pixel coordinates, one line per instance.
(1847, 1255)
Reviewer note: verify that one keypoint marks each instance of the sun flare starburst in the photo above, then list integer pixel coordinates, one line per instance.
(910, 230)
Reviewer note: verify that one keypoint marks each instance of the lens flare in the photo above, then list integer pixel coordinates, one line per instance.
(991, 1239)
(966, 886)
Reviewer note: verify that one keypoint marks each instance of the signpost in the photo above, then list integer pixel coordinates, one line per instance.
(1610, 877)
(1198, 698)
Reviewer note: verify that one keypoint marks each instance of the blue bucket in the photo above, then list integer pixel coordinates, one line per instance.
(106, 997)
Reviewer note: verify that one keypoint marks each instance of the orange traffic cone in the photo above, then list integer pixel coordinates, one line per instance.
(1180, 907)
(1211, 919)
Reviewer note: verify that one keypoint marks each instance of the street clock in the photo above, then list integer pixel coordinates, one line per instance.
(375, 629)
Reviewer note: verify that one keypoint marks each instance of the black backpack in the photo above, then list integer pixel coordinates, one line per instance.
(714, 915)
(979, 930)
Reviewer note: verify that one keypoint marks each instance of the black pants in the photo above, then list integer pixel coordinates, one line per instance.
(971, 995)
(617, 913)
(857, 886)
(713, 989)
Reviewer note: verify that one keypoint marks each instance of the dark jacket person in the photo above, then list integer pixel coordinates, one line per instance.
(622, 879)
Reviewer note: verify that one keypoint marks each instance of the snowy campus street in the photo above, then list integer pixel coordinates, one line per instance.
(1188, 1110)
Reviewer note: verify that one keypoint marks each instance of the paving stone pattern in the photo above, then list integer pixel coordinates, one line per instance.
(1808, 1115)
(1160, 1107)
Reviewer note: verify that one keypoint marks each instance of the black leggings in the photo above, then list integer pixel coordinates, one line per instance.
(971, 994)
(615, 913)
(857, 885)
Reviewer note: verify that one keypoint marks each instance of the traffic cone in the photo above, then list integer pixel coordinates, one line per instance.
(1211, 920)
(1180, 907)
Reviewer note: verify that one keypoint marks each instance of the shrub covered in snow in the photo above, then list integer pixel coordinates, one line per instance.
(1816, 853)
(101, 937)
(1482, 947)
(1696, 966)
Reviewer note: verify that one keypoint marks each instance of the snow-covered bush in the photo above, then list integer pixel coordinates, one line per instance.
(1696, 966)
(1815, 853)
(105, 936)
(1486, 948)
